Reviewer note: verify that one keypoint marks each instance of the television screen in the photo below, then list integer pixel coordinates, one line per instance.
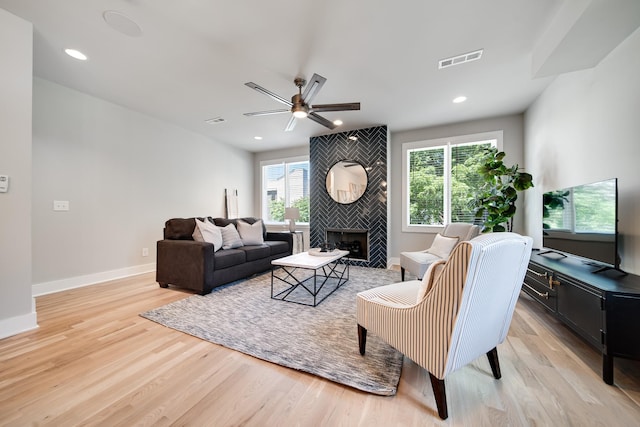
(582, 221)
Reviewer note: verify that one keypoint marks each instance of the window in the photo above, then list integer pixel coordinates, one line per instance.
(439, 179)
(285, 183)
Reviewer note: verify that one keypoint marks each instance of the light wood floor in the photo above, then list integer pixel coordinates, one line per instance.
(94, 361)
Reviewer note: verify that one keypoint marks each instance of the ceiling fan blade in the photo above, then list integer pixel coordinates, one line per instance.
(291, 124)
(336, 107)
(270, 94)
(321, 120)
(312, 88)
(268, 112)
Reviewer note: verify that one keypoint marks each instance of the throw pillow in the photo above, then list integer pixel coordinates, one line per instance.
(251, 234)
(442, 246)
(430, 277)
(230, 237)
(208, 232)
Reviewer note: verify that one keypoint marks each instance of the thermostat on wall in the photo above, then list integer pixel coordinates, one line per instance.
(4, 183)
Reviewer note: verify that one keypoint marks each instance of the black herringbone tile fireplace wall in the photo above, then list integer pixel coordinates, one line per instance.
(370, 211)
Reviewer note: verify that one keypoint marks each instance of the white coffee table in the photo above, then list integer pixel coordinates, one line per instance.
(308, 272)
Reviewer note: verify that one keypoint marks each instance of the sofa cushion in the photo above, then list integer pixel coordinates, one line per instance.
(442, 246)
(222, 222)
(251, 234)
(179, 228)
(254, 252)
(230, 237)
(277, 247)
(205, 231)
(229, 257)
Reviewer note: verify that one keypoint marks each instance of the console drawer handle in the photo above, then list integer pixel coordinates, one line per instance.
(540, 294)
(537, 274)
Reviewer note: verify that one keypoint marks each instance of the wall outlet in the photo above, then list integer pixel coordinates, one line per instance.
(145, 251)
(60, 205)
(4, 183)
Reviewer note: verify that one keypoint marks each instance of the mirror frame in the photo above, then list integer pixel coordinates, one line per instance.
(359, 194)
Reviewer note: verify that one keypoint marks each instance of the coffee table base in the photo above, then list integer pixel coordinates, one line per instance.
(337, 271)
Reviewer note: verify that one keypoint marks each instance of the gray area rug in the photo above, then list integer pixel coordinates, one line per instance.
(320, 340)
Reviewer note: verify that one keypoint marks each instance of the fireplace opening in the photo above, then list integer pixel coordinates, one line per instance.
(356, 241)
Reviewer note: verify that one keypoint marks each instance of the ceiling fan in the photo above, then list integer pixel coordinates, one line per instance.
(300, 104)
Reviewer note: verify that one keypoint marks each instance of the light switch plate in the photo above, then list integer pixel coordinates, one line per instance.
(4, 183)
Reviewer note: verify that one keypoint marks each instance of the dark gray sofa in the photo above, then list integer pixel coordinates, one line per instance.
(186, 263)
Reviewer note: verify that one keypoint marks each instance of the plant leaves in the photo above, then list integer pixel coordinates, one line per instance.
(495, 201)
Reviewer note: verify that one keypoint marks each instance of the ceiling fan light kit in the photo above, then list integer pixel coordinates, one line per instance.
(300, 104)
(299, 112)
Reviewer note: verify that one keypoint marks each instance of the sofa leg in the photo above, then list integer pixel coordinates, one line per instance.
(441, 397)
(492, 355)
(402, 274)
(362, 339)
(163, 284)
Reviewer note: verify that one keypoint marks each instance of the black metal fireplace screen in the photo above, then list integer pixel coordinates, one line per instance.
(354, 240)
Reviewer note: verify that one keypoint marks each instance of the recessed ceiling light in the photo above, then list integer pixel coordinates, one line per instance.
(76, 54)
(257, 137)
(337, 122)
(459, 99)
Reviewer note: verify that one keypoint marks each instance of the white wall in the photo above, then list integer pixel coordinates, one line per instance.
(586, 127)
(513, 140)
(17, 310)
(124, 174)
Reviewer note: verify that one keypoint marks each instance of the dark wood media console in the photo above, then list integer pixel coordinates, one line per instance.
(602, 308)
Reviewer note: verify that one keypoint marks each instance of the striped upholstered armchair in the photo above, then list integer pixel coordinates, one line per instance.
(461, 309)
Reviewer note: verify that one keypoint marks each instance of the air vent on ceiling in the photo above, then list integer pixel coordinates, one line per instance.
(460, 59)
(215, 120)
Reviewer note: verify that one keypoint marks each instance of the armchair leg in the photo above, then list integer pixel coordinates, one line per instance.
(492, 355)
(362, 338)
(402, 274)
(441, 396)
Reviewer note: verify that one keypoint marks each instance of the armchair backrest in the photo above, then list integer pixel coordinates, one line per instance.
(461, 230)
(494, 276)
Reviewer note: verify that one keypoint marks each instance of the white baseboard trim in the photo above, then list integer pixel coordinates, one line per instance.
(393, 261)
(18, 324)
(90, 279)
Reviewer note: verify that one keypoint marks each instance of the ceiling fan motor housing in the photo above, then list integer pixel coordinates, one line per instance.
(299, 108)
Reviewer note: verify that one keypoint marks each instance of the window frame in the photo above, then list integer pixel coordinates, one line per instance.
(446, 142)
(285, 161)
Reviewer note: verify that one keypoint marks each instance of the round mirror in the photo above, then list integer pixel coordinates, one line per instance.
(346, 181)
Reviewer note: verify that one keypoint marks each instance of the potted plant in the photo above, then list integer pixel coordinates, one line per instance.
(495, 202)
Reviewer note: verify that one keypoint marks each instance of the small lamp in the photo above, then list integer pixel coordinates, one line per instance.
(292, 214)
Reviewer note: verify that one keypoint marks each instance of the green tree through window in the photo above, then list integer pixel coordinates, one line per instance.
(441, 181)
(285, 184)
(465, 180)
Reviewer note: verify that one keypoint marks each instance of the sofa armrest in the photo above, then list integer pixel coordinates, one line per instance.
(185, 263)
(282, 237)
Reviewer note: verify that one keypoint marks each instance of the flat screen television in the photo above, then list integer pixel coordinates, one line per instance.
(583, 221)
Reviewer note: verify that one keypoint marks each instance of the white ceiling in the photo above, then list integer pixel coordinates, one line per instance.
(193, 58)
